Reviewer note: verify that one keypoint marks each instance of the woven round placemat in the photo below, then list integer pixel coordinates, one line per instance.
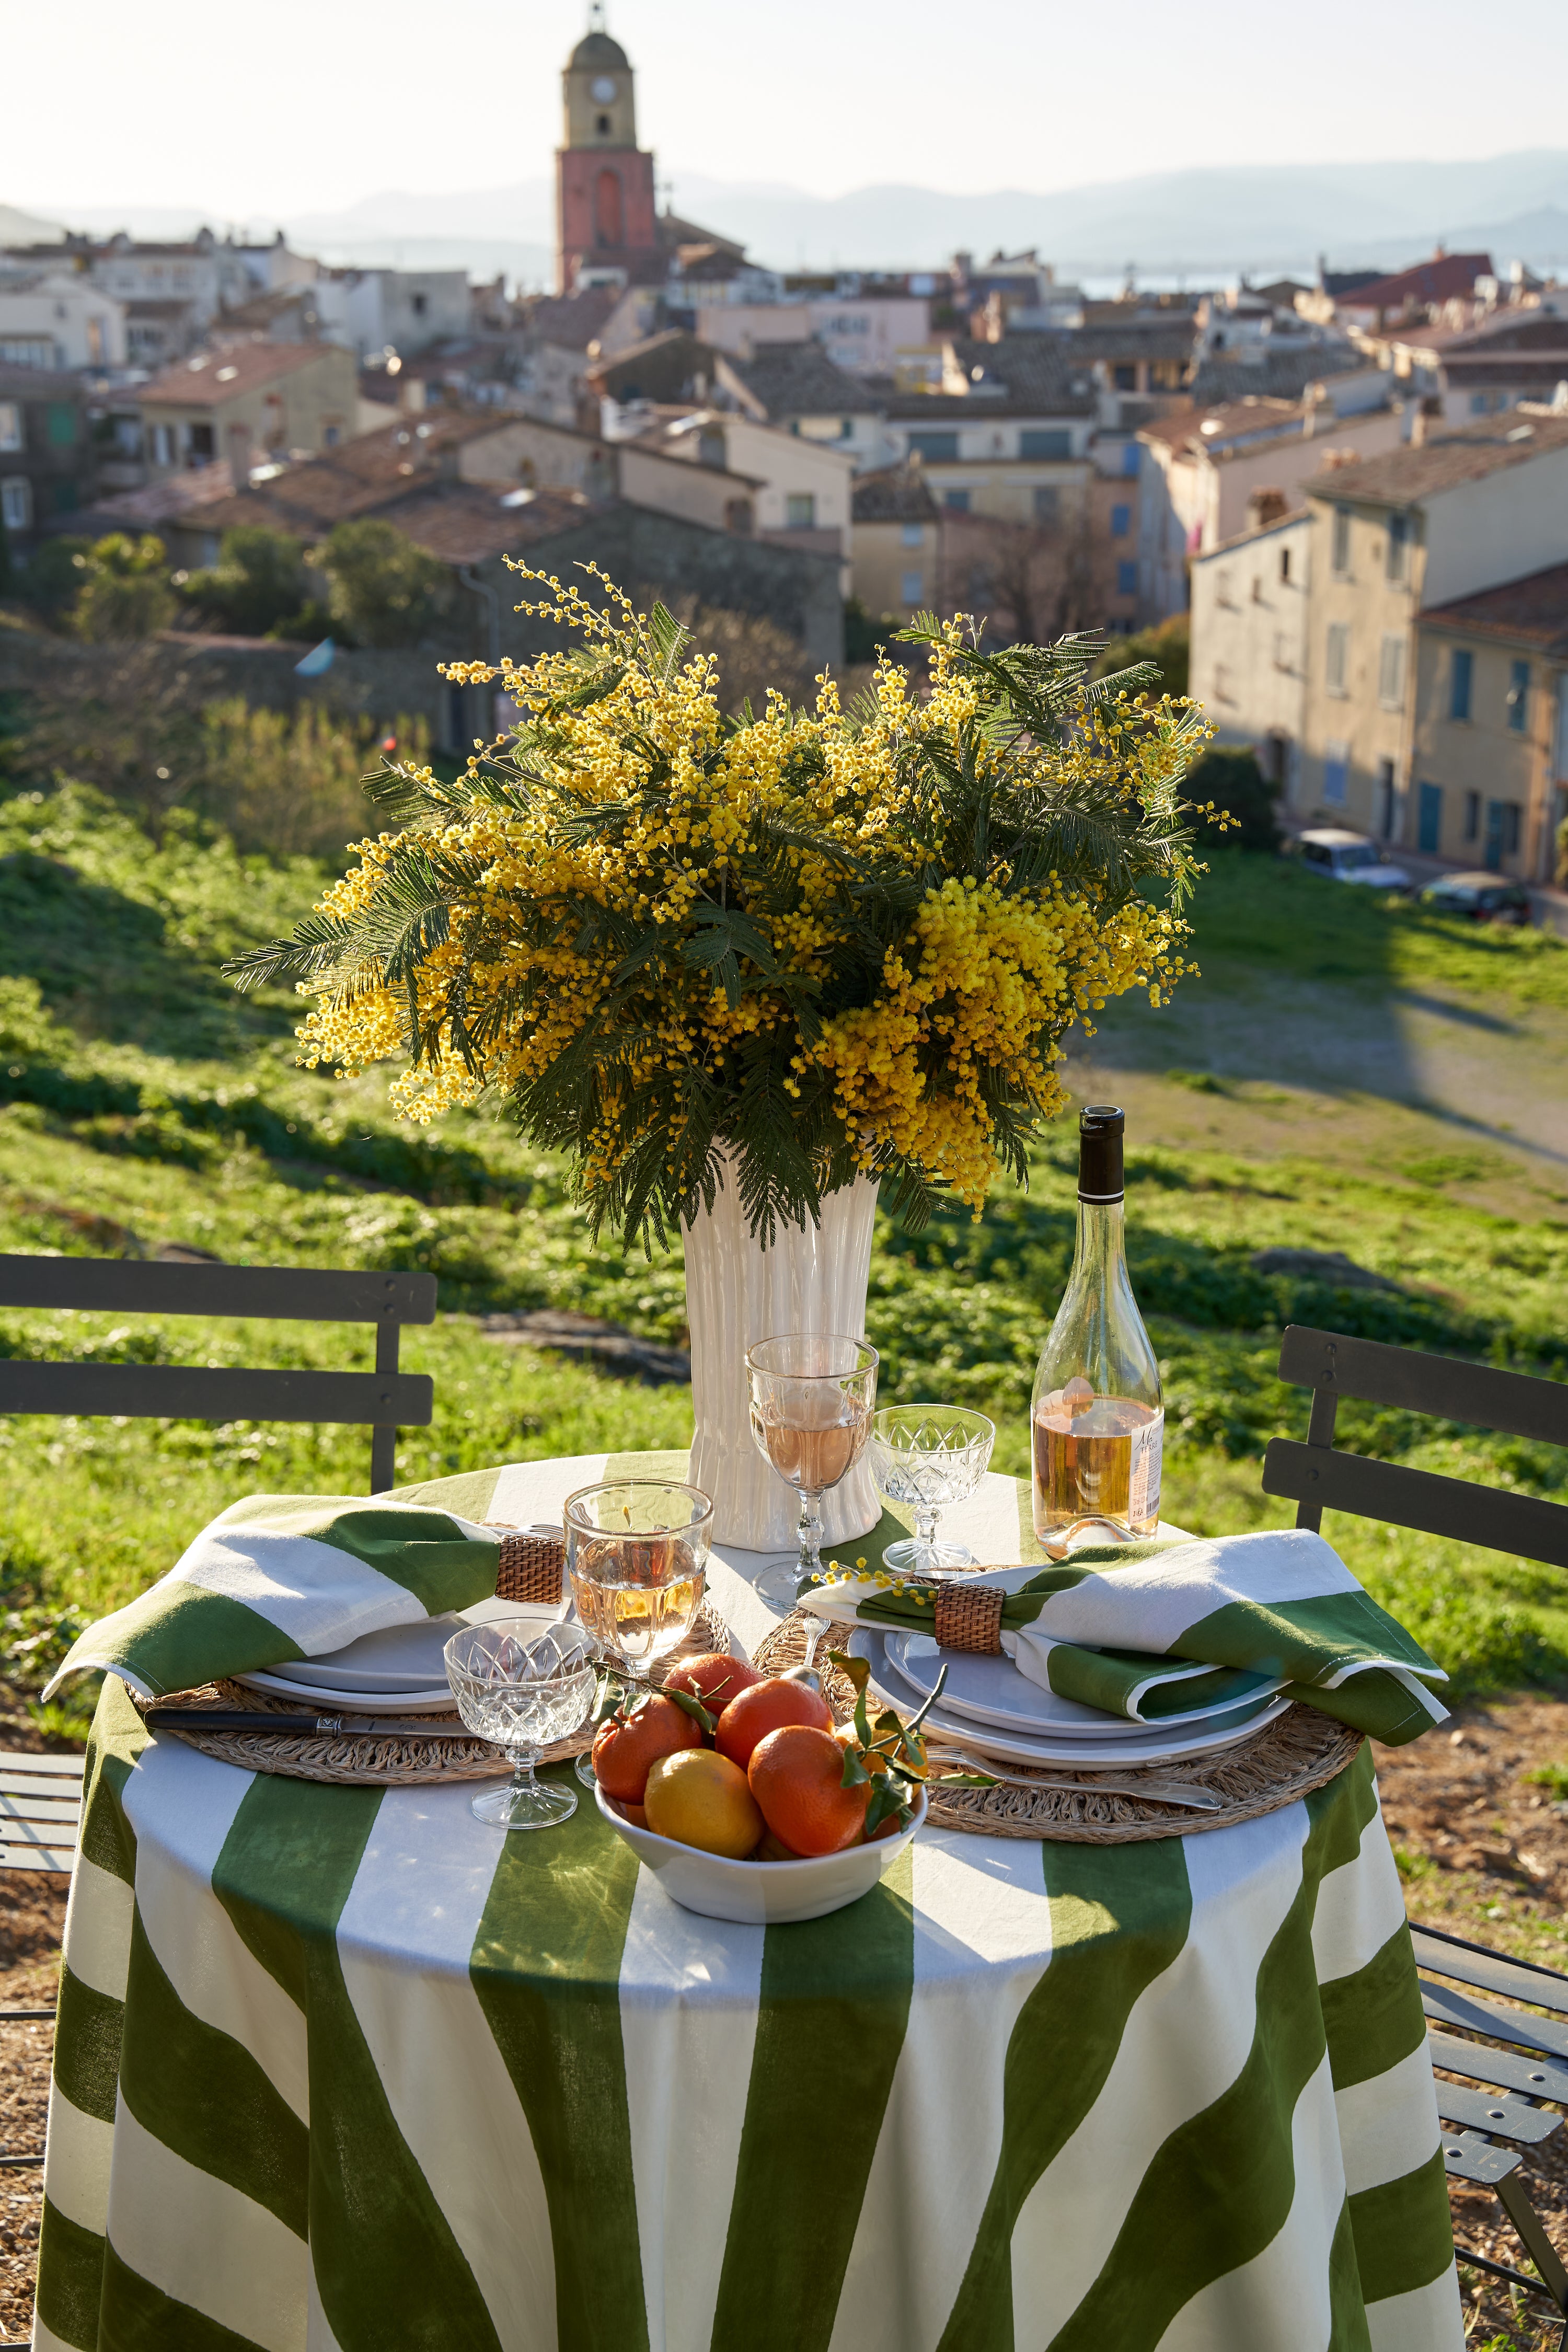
(1297, 1752)
(393, 1761)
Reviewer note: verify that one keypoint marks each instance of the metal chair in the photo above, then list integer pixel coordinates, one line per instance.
(387, 1399)
(1318, 1477)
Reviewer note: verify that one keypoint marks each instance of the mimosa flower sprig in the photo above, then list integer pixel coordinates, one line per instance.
(817, 941)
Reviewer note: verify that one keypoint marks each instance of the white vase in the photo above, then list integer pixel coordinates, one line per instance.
(813, 1279)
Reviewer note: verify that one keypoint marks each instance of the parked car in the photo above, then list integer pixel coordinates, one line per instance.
(1349, 858)
(1482, 897)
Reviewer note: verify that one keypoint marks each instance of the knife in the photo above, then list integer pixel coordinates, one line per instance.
(1159, 1792)
(338, 1726)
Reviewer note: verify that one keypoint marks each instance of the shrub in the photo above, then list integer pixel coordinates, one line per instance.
(1167, 645)
(290, 782)
(258, 582)
(53, 579)
(1235, 784)
(384, 590)
(125, 595)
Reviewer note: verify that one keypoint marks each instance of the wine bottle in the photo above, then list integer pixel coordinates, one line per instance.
(1097, 1414)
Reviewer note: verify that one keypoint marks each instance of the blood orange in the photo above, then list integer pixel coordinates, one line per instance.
(797, 1775)
(767, 1707)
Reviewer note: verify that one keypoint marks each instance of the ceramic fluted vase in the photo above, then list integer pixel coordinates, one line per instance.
(811, 1278)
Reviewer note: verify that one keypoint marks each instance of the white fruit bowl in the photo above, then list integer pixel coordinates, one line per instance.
(761, 1893)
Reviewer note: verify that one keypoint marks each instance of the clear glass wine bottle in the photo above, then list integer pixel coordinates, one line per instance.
(1097, 1416)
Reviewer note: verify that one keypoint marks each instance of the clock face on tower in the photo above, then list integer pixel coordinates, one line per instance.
(604, 91)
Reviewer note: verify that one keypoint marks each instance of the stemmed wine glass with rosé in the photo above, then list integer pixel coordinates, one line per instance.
(812, 1396)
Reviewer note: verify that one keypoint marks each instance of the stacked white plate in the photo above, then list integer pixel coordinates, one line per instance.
(988, 1704)
(400, 1671)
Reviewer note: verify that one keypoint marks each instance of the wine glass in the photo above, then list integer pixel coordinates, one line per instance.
(927, 1457)
(811, 1394)
(636, 1558)
(521, 1689)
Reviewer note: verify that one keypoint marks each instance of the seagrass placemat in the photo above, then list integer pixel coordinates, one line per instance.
(1272, 1768)
(360, 1760)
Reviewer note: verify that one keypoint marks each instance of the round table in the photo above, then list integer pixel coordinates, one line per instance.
(341, 2070)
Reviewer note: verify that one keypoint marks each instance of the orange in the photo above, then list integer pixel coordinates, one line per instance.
(712, 1678)
(767, 1707)
(628, 1744)
(795, 1775)
(847, 1736)
(701, 1799)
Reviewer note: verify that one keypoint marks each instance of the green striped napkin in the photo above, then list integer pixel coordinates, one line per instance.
(1155, 1629)
(280, 1577)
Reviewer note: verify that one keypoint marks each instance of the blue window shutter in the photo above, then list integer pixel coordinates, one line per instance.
(1127, 580)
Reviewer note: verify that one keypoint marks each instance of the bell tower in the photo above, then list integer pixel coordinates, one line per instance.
(605, 215)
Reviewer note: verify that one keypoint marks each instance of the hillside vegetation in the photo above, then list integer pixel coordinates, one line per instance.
(143, 1103)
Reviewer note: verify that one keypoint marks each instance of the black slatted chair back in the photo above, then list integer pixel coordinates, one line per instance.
(1319, 1478)
(383, 1401)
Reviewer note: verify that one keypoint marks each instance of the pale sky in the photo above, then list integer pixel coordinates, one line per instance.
(307, 105)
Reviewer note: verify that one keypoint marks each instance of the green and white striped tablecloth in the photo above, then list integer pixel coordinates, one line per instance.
(340, 2069)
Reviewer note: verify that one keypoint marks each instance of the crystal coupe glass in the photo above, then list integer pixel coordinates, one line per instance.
(522, 1689)
(811, 1394)
(927, 1457)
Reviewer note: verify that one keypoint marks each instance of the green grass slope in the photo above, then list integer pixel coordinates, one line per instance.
(141, 1102)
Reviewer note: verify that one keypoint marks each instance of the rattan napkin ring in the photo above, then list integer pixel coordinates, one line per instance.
(969, 1617)
(530, 1568)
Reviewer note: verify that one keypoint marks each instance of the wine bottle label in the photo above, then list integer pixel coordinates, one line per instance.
(1143, 1471)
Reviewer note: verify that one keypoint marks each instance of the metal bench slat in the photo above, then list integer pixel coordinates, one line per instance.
(191, 1392)
(1503, 2069)
(1466, 2158)
(39, 1791)
(1489, 1970)
(38, 1857)
(1496, 2111)
(23, 1759)
(39, 1809)
(1448, 2008)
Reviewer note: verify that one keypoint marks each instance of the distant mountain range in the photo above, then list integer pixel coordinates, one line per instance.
(1206, 222)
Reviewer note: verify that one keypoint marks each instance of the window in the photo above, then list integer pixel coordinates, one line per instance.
(1472, 816)
(1221, 682)
(1120, 522)
(1032, 442)
(65, 497)
(1284, 564)
(1127, 580)
(1429, 819)
(1336, 771)
(1124, 375)
(1047, 504)
(1341, 555)
(419, 303)
(912, 587)
(1460, 683)
(911, 534)
(1398, 540)
(1222, 588)
(936, 448)
(17, 502)
(1512, 826)
(800, 510)
(1130, 458)
(1518, 696)
(10, 424)
(27, 350)
(1338, 658)
(1282, 650)
(956, 501)
(163, 445)
(1391, 671)
(331, 435)
(1504, 827)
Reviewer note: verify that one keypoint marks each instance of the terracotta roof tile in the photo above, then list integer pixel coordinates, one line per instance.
(1464, 453)
(209, 378)
(1532, 611)
(893, 494)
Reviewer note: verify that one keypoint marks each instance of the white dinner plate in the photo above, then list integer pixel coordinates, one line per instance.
(404, 1657)
(1084, 1750)
(432, 1699)
(994, 1691)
